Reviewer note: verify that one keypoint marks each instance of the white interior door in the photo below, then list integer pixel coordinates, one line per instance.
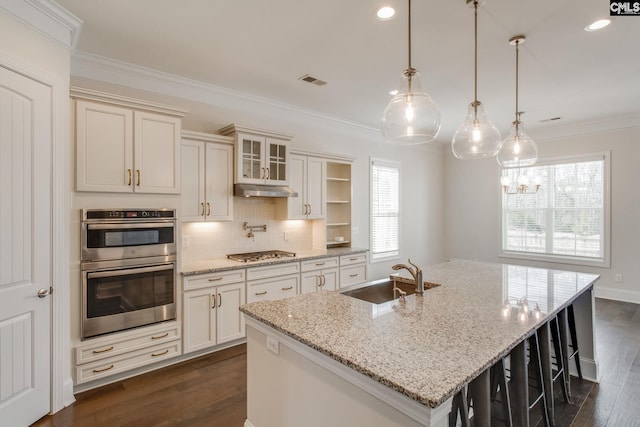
(25, 248)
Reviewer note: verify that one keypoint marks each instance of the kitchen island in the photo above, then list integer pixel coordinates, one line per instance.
(328, 359)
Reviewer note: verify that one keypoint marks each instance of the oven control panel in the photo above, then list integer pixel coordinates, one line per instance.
(125, 214)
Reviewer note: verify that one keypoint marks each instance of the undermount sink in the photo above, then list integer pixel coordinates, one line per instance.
(381, 291)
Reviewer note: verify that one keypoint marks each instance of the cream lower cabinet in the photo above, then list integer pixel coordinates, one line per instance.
(319, 275)
(207, 177)
(211, 314)
(273, 282)
(116, 353)
(353, 269)
(124, 145)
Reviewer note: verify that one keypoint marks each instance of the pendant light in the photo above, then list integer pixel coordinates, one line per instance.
(411, 117)
(476, 137)
(518, 149)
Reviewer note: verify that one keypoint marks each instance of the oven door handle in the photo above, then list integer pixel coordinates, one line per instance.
(128, 271)
(117, 226)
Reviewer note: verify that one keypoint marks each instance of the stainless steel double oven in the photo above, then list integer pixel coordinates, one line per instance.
(128, 266)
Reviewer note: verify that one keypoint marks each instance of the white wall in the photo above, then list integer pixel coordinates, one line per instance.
(473, 208)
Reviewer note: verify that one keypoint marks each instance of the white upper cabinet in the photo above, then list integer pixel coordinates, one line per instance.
(207, 177)
(262, 157)
(125, 146)
(307, 178)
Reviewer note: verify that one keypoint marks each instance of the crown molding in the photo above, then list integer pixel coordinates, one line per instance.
(47, 17)
(591, 127)
(106, 70)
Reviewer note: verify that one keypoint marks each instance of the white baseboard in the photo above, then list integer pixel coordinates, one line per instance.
(247, 423)
(67, 393)
(617, 294)
(589, 369)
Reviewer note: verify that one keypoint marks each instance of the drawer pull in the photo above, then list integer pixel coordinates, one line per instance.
(95, 371)
(261, 293)
(215, 279)
(320, 263)
(287, 289)
(353, 275)
(160, 336)
(353, 259)
(160, 354)
(104, 350)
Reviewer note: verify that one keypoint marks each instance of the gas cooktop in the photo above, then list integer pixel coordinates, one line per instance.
(260, 256)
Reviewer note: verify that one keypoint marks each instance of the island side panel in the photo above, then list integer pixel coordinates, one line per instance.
(289, 390)
(584, 309)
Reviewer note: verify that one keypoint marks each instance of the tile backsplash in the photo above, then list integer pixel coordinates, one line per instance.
(210, 240)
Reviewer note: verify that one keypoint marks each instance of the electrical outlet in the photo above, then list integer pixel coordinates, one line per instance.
(273, 345)
(619, 278)
(286, 236)
(185, 241)
(355, 230)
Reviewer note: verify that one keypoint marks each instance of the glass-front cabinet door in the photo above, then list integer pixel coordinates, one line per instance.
(277, 161)
(251, 157)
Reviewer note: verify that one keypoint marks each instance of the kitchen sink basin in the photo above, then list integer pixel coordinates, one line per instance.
(381, 291)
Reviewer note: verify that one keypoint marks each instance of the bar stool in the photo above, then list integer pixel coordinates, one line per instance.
(481, 394)
(549, 375)
(567, 323)
(522, 404)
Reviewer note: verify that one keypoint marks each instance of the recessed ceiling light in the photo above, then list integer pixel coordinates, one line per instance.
(597, 25)
(385, 13)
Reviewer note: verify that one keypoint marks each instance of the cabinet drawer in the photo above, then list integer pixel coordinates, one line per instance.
(213, 279)
(273, 270)
(127, 361)
(353, 275)
(353, 259)
(273, 289)
(116, 344)
(318, 264)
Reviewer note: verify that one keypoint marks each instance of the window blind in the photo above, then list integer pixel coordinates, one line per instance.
(385, 206)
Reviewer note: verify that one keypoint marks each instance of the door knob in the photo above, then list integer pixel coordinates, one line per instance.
(43, 293)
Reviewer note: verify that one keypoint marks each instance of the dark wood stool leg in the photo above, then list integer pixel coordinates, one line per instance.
(562, 369)
(520, 385)
(575, 355)
(534, 352)
(501, 381)
(480, 390)
(546, 370)
(563, 325)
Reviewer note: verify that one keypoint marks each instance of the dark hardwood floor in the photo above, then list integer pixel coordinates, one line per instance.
(212, 390)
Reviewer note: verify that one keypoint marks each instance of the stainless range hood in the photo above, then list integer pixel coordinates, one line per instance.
(254, 190)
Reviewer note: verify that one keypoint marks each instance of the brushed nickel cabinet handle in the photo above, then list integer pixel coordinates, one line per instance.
(138, 175)
(320, 263)
(268, 174)
(309, 210)
(262, 173)
(215, 279)
(353, 275)
(353, 259)
(261, 293)
(157, 337)
(95, 371)
(214, 300)
(287, 289)
(160, 354)
(202, 206)
(208, 209)
(219, 300)
(104, 350)
(130, 176)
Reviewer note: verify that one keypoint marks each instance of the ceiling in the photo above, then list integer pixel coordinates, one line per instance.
(263, 47)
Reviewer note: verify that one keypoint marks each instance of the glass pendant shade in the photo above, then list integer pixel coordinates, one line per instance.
(518, 149)
(411, 117)
(476, 137)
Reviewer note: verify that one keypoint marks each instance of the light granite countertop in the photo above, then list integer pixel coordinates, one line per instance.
(223, 264)
(429, 346)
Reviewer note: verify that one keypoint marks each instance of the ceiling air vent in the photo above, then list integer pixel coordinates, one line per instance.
(552, 119)
(310, 79)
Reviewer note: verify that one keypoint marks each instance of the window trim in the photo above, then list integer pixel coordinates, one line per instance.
(386, 256)
(605, 261)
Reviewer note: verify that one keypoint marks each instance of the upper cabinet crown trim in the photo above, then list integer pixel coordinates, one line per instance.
(234, 128)
(94, 95)
(328, 156)
(209, 137)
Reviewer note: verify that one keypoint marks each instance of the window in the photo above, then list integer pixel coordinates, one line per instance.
(385, 207)
(567, 220)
